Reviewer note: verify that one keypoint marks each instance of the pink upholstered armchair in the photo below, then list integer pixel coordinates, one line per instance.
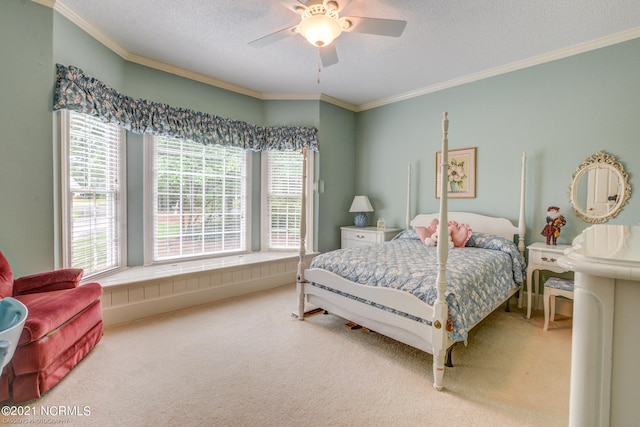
(63, 324)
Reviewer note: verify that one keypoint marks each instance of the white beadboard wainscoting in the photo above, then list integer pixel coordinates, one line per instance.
(139, 292)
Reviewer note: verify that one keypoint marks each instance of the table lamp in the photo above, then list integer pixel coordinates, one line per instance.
(360, 206)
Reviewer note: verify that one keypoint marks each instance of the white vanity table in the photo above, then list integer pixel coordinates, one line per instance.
(605, 373)
(541, 257)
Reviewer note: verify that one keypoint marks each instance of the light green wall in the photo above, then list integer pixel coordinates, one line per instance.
(159, 86)
(559, 113)
(336, 159)
(72, 46)
(26, 145)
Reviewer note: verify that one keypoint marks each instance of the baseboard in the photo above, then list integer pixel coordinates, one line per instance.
(564, 307)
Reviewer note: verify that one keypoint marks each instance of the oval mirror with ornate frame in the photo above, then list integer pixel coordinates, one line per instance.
(599, 188)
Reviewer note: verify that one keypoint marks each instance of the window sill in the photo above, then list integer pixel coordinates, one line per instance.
(185, 268)
(139, 292)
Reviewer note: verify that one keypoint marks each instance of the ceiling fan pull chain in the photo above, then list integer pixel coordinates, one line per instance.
(319, 65)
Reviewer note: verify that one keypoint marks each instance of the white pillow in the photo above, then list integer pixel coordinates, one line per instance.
(424, 220)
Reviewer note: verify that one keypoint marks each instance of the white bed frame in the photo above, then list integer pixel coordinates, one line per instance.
(432, 339)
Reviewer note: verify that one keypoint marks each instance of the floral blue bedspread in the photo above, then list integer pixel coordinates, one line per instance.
(480, 276)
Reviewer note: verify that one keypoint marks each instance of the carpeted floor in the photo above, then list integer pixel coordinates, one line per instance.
(247, 362)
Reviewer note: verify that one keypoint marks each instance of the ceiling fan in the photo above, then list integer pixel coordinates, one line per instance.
(321, 23)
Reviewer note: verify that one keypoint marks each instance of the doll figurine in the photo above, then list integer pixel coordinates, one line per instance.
(555, 221)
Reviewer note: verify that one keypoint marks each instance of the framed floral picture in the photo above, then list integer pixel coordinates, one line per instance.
(461, 173)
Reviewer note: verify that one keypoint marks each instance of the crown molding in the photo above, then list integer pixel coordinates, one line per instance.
(308, 97)
(60, 7)
(87, 26)
(335, 101)
(48, 3)
(515, 66)
(95, 32)
(191, 75)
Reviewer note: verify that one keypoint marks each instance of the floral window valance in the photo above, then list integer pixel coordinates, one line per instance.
(84, 94)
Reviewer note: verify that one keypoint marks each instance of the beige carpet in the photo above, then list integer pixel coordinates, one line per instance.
(246, 362)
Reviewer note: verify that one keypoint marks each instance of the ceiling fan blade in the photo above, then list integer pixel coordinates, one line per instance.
(342, 4)
(300, 6)
(274, 37)
(297, 6)
(381, 27)
(328, 55)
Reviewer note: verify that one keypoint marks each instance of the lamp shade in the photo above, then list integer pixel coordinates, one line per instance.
(361, 204)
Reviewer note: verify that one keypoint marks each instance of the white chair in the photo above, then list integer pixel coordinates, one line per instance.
(12, 317)
(555, 286)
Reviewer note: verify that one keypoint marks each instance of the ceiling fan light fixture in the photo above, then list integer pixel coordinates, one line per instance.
(320, 30)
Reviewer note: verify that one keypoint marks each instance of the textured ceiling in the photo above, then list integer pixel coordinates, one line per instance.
(445, 41)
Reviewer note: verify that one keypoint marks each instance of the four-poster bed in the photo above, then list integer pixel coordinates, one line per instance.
(426, 297)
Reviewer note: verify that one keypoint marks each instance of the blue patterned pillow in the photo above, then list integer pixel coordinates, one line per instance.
(491, 241)
(410, 234)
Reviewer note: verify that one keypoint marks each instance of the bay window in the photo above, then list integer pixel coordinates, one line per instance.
(93, 194)
(197, 204)
(282, 199)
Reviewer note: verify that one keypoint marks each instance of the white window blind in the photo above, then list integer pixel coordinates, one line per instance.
(284, 198)
(199, 199)
(94, 201)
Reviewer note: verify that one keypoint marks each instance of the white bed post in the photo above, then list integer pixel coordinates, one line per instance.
(522, 225)
(407, 221)
(300, 282)
(441, 314)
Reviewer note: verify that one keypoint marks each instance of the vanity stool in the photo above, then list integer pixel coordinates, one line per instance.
(555, 286)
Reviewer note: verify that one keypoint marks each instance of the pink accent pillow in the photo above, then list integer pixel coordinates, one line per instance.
(460, 233)
(426, 232)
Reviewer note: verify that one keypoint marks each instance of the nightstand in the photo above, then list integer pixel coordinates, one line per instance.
(351, 236)
(542, 257)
